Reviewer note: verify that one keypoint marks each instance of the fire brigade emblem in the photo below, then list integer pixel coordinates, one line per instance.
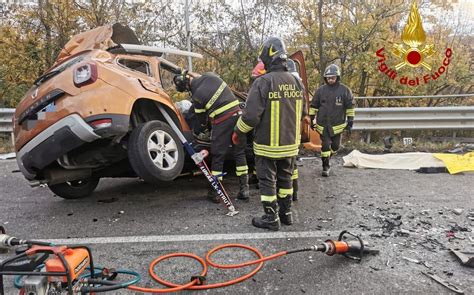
(414, 37)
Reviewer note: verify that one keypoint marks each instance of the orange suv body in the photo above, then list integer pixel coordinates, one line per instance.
(71, 125)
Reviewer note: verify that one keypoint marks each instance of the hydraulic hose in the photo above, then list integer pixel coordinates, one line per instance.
(197, 283)
(108, 285)
(354, 249)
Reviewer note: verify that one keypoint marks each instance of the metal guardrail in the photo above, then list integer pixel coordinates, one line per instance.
(411, 118)
(6, 116)
(394, 118)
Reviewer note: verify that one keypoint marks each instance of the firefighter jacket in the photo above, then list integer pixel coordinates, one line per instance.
(331, 104)
(211, 97)
(274, 108)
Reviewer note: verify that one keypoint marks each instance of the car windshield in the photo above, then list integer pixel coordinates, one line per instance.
(167, 72)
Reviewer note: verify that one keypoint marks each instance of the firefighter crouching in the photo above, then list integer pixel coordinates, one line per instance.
(273, 109)
(331, 105)
(214, 101)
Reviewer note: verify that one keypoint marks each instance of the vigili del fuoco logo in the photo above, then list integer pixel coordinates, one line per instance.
(413, 54)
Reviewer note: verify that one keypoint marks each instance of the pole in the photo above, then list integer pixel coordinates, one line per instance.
(188, 35)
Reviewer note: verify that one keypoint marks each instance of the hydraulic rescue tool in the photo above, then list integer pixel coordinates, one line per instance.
(46, 269)
(44, 274)
(198, 159)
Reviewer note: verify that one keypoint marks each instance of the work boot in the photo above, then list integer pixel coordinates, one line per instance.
(243, 188)
(295, 190)
(270, 220)
(213, 196)
(285, 210)
(253, 179)
(326, 167)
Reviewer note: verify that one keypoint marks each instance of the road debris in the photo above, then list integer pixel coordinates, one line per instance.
(470, 215)
(411, 260)
(445, 283)
(455, 228)
(421, 262)
(452, 236)
(458, 211)
(466, 258)
(109, 200)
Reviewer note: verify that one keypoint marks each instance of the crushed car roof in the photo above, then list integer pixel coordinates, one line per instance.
(103, 38)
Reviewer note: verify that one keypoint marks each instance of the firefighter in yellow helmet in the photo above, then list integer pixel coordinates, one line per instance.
(333, 107)
(274, 109)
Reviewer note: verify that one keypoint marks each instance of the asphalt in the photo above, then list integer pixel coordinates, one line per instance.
(409, 217)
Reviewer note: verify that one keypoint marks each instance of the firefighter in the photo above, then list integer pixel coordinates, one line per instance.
(258, 71)
(333, 107)
(215, 103)
(273, 109)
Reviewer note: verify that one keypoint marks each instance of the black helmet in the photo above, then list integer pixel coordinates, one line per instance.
(182, 82)
(272, 51)
(332, 70)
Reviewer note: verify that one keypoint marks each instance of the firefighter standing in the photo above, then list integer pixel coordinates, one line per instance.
(273, 109)
(258, 71)
(214, 101)
(333, 107)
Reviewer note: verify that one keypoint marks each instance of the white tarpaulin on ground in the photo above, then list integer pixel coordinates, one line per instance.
(407, 161)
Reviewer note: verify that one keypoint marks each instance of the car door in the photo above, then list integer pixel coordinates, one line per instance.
(309, 137)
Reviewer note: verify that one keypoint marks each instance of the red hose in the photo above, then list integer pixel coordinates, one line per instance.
(193, 284)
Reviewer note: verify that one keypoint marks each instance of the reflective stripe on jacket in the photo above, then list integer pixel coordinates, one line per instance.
(211, 97)
(274, 108)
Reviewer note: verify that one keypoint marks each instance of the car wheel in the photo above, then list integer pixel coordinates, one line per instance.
(155, 152)
(75, 189)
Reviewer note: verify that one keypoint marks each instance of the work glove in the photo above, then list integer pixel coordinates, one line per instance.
(235, 138)
(307, 120)
(349, 126)
(238, 138)
(312, 125)
(204, 135)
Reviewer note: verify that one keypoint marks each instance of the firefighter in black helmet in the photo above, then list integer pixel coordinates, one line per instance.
(258, 71)
(215, 103)
(274, 109)
(333, 107)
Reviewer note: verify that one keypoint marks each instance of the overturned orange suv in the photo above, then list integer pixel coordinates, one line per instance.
(98, 113)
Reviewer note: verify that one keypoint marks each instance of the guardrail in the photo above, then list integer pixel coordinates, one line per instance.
(412, 118)
(394, 118)
(6, 116)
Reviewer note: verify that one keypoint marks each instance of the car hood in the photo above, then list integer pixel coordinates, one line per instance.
(103, 38)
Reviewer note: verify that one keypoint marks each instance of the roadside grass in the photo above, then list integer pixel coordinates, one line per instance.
(397, 147)
(5, 145)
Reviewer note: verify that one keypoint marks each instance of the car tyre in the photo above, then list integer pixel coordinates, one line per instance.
(155, 152)
(76, 189)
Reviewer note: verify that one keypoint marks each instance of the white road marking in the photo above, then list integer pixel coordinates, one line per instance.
(196, 238)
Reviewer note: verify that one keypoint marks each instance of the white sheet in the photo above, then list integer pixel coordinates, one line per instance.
(407, 161)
